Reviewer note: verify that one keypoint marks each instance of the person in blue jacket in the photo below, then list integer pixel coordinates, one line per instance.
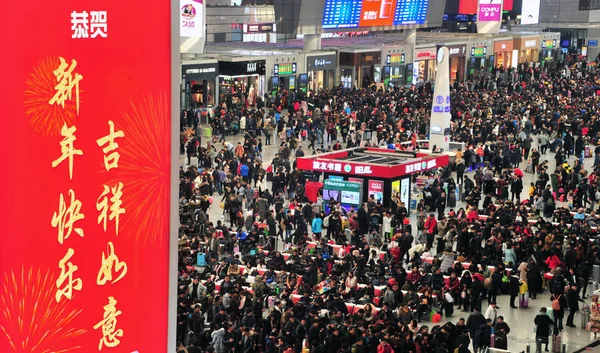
(317, 225)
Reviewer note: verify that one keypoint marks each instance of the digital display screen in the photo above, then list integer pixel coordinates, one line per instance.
(373, 13)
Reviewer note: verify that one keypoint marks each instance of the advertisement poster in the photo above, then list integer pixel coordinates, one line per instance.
(376, 189)
(530, 12)
(405, 191)
(395, 187)
(340, 14)
(84, 256)
(490, 11)
(191, 16)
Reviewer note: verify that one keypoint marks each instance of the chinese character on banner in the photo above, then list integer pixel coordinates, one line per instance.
(323, 166)
(431, 164)
(67, 216)
(115, 208)
(67, 149)
(330, 166)
(98, 24)
(316, 165)
(109, 261)
(67, 81)
(358, 170)
(338, 167)
(110, 334)
(111, 160)
(66, 275)
(79, 25)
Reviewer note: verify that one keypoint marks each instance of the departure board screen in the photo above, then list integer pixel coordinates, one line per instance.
(374, 13)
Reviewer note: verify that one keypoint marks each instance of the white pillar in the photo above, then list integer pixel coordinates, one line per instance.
(312, 42)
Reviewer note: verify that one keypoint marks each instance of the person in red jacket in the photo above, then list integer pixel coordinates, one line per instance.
(430, 229)
(553, 261)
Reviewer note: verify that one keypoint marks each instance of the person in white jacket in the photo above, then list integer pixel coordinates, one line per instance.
(387, 227)
(491, 312)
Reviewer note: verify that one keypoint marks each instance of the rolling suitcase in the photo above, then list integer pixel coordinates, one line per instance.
(556, 343)
(596, 273)
(524, 300)
(201, 260)
(529, 168)
(585, 318)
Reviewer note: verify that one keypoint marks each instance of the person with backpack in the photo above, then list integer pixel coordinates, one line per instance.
(558, 307)
(474, 322)
(483, 336)
(501, 331)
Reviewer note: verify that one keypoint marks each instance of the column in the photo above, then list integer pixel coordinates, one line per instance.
(312, 42)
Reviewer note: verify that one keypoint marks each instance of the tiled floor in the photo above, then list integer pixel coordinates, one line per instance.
(519, 320)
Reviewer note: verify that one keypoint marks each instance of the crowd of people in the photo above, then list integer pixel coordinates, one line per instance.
(278, 274)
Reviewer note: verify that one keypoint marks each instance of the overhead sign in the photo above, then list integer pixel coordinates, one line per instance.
(200, 70)
(191, 16)
(78, 275)
(373, 13)
(395, 59)
(457, 50)
(479, 52)
(259, 28)
(549, 44)
(425, 54)
(321, 62)
(489, 16)
(592, 42)
(285, 69)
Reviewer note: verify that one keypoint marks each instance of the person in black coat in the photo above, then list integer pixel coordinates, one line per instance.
(513, 289)
(533, 279)
(542, 329)
(573, 302)
(474, 322)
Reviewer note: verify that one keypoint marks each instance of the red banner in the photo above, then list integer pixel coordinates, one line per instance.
(84, 252)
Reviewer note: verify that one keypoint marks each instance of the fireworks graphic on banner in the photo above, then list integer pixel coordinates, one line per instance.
(144, 168)
(32, 320)
(47, 119)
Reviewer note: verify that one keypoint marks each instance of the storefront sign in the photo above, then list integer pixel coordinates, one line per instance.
(479, 52)
(457, 50)
(200, 71)
(395, 59)
(191, 18)
(549, 44)
(320, 63)
(425, 54)
(285, 69)
(503, 46)
(259, 28)
(592, 42)
(530, 43)
(76, 274)
(420, 166)
(229, 68)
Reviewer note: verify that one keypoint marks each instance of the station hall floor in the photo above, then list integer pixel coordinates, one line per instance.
(519, 320)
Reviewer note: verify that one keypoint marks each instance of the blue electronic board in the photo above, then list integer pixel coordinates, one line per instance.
(374, 13)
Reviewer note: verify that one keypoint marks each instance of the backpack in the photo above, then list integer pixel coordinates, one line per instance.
(374, 221)
(556, 303)
(550, 202)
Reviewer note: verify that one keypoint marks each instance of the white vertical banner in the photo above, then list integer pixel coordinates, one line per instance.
(489, 16)
(530, 12)
(439, 125)
(192, 16)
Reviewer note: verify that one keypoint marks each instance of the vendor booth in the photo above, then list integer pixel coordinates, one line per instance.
(351, 176)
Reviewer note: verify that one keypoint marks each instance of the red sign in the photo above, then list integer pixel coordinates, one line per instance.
(467, 7)
(425, 54)
(84, 256)
(376, 13)
(329, 163)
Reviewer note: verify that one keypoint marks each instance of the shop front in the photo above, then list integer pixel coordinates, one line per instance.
(321, 71)
(360, 69)
(393, 63)
(352, 176)
(477, 61)
(458, 61)
(550, 49)
(240, 82)
(424, 65)
(198, 83)
(503, 51)
(284, 76)
(528, 48)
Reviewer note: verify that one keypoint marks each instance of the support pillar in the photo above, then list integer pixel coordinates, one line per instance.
(312, 42)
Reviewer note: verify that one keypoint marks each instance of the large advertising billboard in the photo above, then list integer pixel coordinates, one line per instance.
(86, 150)
(340, 14)
(530, 12)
